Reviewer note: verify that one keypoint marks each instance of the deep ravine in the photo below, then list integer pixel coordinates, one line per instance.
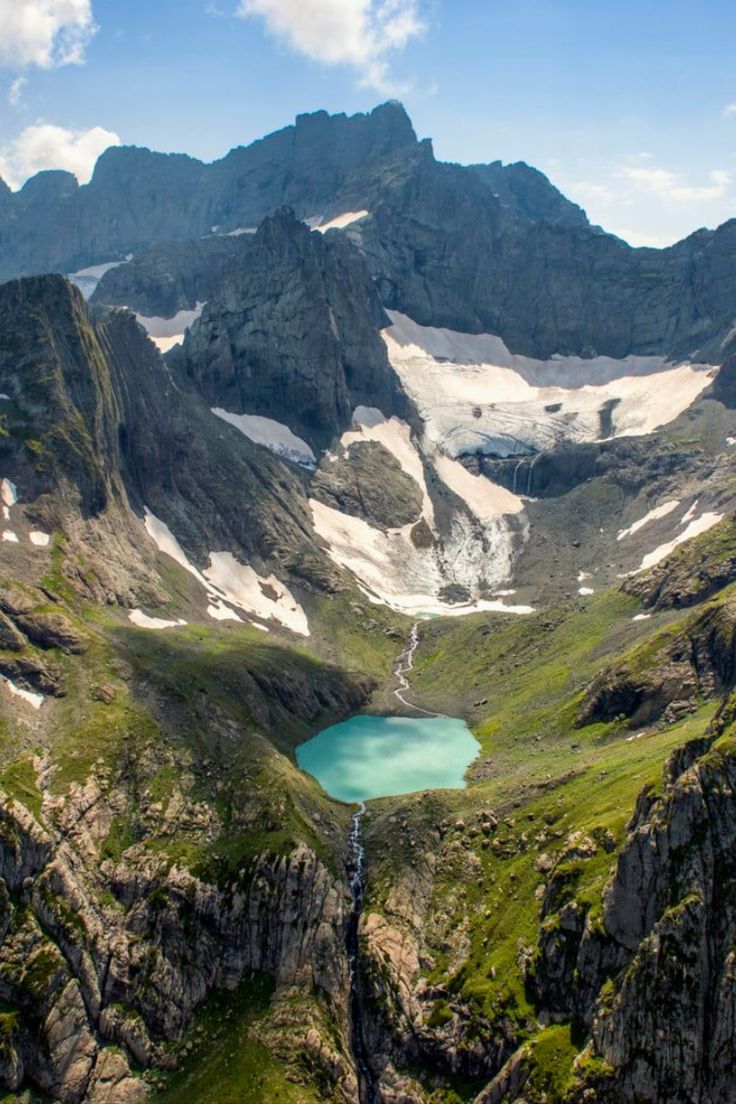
(356, 861)
(356, 880)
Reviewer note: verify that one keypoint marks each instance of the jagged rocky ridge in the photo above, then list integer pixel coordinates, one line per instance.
(97, 429)
(296, 328)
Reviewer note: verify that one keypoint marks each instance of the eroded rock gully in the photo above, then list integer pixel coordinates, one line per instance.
(108, 960)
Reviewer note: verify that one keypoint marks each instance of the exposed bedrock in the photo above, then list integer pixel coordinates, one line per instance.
(95, 982)
(296, 329)
(369, 482)
(632, 463)
(138, 197)
(173, 276)
(695, 572)
(653, 977)
(664, 677)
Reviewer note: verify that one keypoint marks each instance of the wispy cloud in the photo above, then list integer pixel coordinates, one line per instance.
(45, 146)
(648, 204)
(362, 34)
(15, 92)
(45, 33)
(671, 186)
(729, 109)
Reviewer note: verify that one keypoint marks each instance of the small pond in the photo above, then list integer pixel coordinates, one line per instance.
(366, 756)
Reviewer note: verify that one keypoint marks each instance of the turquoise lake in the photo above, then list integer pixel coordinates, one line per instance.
(368, 756)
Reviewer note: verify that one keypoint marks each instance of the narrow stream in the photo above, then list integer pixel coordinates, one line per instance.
(356, 877)
(403, 667)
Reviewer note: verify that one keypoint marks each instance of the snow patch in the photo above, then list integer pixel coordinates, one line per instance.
(265, 597)
(690, 513)
(474, 395)
(87, 279)
(239, 231)
(653, 515)
(340, 221)
(641, 617)
(35, 700)
(167, 543)
(484, 498)
(220, 612)
(226, 580)
(39, 538)
(694, 529)
(10, 536)
(5, 397)
(585, 591)
(167, 332)
(274, 435)
(9, 492)
(143, 621)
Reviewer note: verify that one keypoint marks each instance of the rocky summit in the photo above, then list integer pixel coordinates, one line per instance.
(326, 428)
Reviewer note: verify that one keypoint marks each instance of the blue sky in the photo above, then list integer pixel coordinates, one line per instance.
(629, 107)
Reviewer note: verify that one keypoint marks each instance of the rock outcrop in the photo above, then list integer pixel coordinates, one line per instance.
(665, 676)
(296, 329)
(100, 987)
(137, 198)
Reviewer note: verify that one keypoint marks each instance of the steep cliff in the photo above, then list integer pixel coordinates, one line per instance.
(293, 332)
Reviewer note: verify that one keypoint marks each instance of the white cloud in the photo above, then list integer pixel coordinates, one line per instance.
(44, 146)
(669, 186)
(729, 109)
(15, 92)
(46, 33)
(646, 204)
(358, 33)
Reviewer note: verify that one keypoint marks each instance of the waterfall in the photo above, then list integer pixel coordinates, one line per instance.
(356, 863)
(529, 476)
(356, 882)
(516, 473)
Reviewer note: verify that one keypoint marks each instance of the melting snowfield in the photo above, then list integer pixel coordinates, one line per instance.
(339, 222)
(474, 395)
(274, 435)
(694, 526)
(167, 332)
(87, 279)
(34, 700)
(227, 583)
(473, 553)
(654, 515)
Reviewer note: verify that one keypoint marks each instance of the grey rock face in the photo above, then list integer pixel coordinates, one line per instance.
(73, 967)
(96, 403)
(526, 194)
(368, 482)
(295, 330)
(665, 1022)
(446, 251)
(137, 198)
(172, 277)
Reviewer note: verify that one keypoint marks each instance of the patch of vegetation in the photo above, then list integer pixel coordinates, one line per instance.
(229, 1064)
(19, 782)
(552, 1055)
